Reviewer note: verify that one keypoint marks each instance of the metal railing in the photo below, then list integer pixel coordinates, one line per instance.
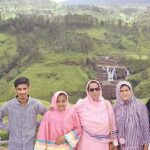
(3, 142)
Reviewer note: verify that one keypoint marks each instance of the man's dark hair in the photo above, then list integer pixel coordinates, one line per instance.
(21, 80)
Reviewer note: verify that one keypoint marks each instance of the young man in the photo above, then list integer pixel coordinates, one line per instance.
(22, 114)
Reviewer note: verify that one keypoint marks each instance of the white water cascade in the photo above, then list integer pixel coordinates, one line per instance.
(127, 72)
(111, 73)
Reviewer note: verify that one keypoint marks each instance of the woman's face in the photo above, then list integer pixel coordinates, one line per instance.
(125, 93)
(94, 91)
(61, 102)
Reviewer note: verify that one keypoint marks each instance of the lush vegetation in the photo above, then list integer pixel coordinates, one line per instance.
(55, 50)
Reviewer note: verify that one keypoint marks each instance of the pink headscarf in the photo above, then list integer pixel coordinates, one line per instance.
(55, 97)
(87, 92)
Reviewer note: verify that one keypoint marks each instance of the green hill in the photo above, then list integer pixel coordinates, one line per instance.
(53, 52)
(56, 46)
(54, 73)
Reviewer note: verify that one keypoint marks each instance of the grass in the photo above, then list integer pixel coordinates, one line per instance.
(53, 78)
(7, 43)
(53, 58)
(93, 32)
(46, 78)
(61, 71)
(134, 55)
(7, 48)
(107, 36)
(144, 100)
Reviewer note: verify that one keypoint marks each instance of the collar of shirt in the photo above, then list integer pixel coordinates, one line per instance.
(29, 101)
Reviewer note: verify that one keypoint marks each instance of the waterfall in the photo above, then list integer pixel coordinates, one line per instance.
(111, 73)
(127, 72)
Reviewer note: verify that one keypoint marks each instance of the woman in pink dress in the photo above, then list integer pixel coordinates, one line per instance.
(60, 127)
(97, 120)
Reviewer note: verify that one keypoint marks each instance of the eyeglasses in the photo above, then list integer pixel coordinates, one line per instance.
(94, 89)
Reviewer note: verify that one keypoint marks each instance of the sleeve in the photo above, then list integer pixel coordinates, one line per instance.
(43, 134)
(113, 124)
(3, 113)
(144, 125)
(41, 109)
(73, 136)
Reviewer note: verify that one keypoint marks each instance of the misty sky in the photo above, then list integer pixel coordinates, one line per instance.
(58, 0)
(105, 1)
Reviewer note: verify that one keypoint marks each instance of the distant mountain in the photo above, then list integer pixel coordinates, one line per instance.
(76, 2)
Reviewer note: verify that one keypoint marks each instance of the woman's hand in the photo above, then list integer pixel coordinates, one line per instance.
(115, 148)
(60, 140)
(145, 147)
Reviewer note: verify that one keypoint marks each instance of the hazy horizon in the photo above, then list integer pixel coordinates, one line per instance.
(105, 1)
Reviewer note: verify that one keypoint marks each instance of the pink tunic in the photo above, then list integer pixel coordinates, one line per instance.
(58, 123)
(95, 117)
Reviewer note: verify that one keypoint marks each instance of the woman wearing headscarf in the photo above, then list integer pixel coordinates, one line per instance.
(60, 127)
(97, 119)
(131, 118)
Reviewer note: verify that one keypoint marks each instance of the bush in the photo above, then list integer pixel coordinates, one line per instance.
(3, 135)
(143, 89)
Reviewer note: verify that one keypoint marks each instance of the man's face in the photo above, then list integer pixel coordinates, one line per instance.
(22, 91)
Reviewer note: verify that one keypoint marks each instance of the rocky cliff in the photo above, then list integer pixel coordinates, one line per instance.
(109, 72)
